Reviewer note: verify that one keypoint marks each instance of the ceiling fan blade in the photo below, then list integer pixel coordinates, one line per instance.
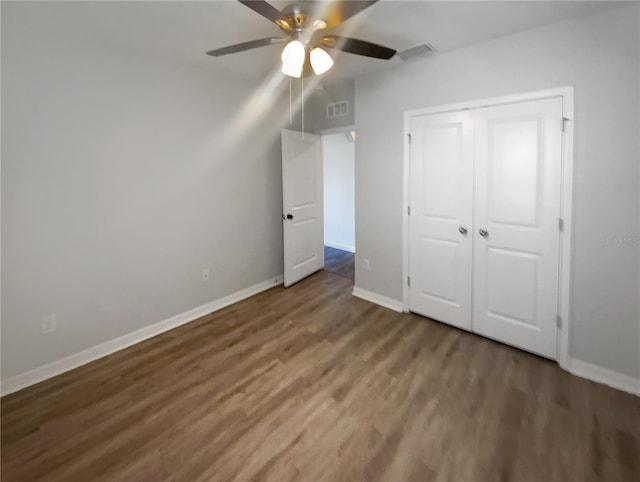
(252, 44)
(340, 10)
(267, 11)
(358, 47)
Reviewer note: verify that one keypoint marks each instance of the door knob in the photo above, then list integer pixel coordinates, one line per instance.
(288, 216)
(483, 232)
(462, 230)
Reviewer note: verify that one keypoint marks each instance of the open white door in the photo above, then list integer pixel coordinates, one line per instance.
(302, 206)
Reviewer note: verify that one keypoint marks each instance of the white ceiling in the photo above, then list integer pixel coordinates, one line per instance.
(185, 30)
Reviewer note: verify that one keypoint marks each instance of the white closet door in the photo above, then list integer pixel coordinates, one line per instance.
(516, 214)
(440, 230)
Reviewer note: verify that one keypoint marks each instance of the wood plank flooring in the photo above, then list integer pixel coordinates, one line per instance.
(312, 384)
(339, 262)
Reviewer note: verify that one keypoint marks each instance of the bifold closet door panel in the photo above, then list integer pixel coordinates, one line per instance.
(440, 227)
(517, 163)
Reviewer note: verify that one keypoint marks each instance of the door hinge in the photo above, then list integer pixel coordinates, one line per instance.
(409, 137)
(559, 321)
(560, 224)
(409, 281)
(408, 210)
(564, 122)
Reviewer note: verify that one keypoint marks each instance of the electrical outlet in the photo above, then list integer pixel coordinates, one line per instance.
(49, 324)
(365, 264)
(205, 275)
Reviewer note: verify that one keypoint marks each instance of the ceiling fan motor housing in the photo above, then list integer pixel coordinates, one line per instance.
(300, 19)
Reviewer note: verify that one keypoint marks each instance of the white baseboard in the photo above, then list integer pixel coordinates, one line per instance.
(384, 301)
(577, 367)
(342, 247)
(608, 377)
(57, 367)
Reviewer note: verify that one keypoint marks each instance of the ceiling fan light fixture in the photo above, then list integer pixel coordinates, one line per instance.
(293, 56)
(321, 61)
(302, 54)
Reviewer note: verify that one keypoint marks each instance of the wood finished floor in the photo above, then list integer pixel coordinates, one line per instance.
(312, 384)
(339, 262)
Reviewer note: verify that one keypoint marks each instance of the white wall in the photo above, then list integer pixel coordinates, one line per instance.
(599, 56)
(316, 97)
(339, 211)
(123, 177)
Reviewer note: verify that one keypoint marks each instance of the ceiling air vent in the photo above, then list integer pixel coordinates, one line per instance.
(414, 52)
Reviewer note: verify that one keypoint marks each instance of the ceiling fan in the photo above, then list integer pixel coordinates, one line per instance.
(305, 28)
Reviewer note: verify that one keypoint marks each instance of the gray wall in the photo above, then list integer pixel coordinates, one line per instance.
(329, 93)
(598, 55)
(122, 178)
(317, 95)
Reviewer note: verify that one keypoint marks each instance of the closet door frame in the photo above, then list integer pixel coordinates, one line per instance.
(566, 202)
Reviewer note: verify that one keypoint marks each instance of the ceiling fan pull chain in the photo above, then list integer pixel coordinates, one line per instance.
(302, 79)
(290, 108)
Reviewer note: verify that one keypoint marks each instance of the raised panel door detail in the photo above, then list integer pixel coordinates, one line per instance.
(440, 256)
(305, 247)
(514, 163)
(512, 285)
(303, 193)
(440, 174)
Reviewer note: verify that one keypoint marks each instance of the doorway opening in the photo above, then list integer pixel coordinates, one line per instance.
(338, 155)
